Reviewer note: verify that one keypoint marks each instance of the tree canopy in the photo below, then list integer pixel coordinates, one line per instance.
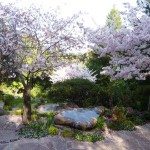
(128, 47)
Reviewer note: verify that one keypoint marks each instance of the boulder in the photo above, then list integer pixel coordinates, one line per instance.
(69, 105)
(77, 118)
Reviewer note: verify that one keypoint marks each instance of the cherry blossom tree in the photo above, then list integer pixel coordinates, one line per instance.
(72, 71)
(33, 42)
(128, 47)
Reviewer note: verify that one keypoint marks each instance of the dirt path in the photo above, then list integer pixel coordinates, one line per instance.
(121, 140)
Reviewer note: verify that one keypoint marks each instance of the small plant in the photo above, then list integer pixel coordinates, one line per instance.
(67, 133)
(100, 122)
(53, 130)
(88, 137)
(35, 129)
(119, 114)
(34, 117)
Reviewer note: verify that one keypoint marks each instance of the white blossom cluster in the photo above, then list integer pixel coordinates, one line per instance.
(72, 71)
(128, 47)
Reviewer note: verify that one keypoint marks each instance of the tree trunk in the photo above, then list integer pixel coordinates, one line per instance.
(26, 118)
(149, 104)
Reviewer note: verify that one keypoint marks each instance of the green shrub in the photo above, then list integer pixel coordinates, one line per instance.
(100, 122)
(7, 108)
(67, 133)
(35, 129)
(50, 120)
(79, 91)
(124, 125)
(53, 130)
(146, 116)
(41, 125)
(136, 120)
(119, 114)
(11, 101)
(107, 113)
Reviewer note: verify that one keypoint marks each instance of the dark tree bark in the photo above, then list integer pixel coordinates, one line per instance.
(149, 104)
(26, 117)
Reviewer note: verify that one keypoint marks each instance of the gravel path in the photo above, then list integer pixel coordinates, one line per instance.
(120, 140)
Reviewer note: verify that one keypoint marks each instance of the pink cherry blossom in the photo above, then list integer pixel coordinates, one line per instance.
(128, 47)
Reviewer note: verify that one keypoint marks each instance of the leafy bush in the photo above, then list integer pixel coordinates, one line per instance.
(41, 125)
(119, 92)
(119, 114)
(136, 120)
(124, 125)
(53, 130)
(50, 120)
(107, 113)
(10, 101)
(7, 108)
(100, 122)
(35, 129)
(79, 91)
(146, 116)
(120, 120)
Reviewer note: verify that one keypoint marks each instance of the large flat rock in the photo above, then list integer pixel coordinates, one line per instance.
(78, 118)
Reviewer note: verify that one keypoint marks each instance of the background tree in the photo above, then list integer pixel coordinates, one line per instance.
(37, 41)
(128, 48)
(96, 63)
